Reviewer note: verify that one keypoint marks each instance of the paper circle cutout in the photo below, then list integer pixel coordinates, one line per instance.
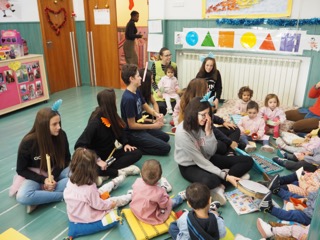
(192, 38)
(248, 40)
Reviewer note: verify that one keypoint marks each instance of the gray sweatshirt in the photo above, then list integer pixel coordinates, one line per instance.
(315, 158)
(196, 149)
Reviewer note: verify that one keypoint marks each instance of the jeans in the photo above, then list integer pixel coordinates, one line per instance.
(246, 139)
(292, 215)
(176, 201)
(150, 142)
(31, 193)
(174, 230)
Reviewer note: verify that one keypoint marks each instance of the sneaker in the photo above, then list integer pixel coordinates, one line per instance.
(264, 228)
(274, 184)
(246, 176)
(113, 184)
(100, 180)
(121, 200)
(279, 161)
(31, 208)
(241, 237)
(281, 153)
(172, 123)
(130, 191)
(165, 184)
(266, 203)
(183, 195)
(215, 205)
(250, 148)
(128, 171)
(217, 194)
(267, 148)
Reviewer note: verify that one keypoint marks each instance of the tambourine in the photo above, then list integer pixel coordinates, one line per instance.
(254, 136)
(252, 189)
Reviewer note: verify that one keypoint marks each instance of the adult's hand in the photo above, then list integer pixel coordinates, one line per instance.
(129, 148)
(234, 145)
(229, 125)
(232, 179)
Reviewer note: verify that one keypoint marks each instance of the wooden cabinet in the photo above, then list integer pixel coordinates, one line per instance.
(23, 82)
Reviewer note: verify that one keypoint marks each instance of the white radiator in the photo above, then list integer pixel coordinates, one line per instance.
(262, 74)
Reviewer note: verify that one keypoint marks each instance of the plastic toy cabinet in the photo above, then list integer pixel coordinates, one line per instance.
(23, 82)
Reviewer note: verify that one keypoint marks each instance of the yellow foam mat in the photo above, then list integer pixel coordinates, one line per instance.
(12, 234)
(142, 230)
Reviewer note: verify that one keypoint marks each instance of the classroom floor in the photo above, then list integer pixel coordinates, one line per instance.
(50, 221)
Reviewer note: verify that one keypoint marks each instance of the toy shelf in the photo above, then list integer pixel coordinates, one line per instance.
(23, 82)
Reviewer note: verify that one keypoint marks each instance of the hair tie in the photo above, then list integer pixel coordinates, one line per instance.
(207, 98)
(55, 107)
(210, 54)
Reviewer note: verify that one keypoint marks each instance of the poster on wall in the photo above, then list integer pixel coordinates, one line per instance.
(246, 8)
(271, 41)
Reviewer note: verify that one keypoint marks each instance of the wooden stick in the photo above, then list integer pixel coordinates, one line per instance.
(145, 72)
(111, 153)
(49, 167)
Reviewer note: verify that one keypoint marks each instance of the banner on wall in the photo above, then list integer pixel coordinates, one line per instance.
(271, 41)
(246, 8)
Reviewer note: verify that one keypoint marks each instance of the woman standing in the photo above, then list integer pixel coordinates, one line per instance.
(195, 152)
(105, 127)
(158, 71)
(32, 184)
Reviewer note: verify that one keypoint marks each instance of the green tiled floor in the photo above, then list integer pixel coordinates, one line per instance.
(50, 221)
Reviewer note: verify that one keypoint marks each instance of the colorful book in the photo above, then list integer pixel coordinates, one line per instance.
(242, 203)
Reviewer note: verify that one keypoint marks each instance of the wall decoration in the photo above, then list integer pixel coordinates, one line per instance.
(5, 5)
(281, 41)
(56, 26)
(247, 8)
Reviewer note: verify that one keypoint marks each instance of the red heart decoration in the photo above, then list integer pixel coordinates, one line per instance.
(56, 26)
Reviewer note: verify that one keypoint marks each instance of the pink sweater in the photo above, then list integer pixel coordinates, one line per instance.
(240, 106)
(255, 125)
(150, 204)
(84, 204)
(269, 114)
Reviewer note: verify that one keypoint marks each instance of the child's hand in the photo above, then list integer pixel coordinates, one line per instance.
(159, 94)
(157, 124)
(113, 204)
(308, 153)
(102, 164)
(49, 185)
(298, 207)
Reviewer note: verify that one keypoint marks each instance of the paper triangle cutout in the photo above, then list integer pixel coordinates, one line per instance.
(208, 42)
(267, 44)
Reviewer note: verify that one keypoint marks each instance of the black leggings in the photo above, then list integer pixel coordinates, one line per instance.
(123, 159)
(237, 165)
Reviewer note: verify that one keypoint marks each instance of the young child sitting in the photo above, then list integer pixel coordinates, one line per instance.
(150, 202)
(296, 231)
(300, 214)
(203, 221)
(245, 95)
(309, 160)
(252, 128)
(86, 210)
(169, 87)
(272, 114)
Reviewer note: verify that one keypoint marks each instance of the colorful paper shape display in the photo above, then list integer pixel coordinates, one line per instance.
(208, 42)
(267, 44)
(12, 234)
(248, 40)
(192, 38)
(290, 42)
(226, 39)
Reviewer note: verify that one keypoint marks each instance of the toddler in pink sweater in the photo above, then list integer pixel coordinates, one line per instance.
(150, 202)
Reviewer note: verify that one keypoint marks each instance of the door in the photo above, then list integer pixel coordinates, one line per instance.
(59, 43)
(102, 42)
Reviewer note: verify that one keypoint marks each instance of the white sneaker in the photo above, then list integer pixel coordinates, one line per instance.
(240, 237)
(31, 208)
(163, 182)
(121, 200)
(217, 194)
(100, 180)
(128, 171)
(246, 176)
(250, 148)
(264, 228)
(267, 148)
(183, 195)
(113, 184)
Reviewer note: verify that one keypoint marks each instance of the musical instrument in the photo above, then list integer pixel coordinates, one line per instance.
(252, 189)
(49, 167)
(262, 163)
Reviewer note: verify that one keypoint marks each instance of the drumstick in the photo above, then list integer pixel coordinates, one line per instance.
(145, 72)
(49, 167)
(112, 153)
